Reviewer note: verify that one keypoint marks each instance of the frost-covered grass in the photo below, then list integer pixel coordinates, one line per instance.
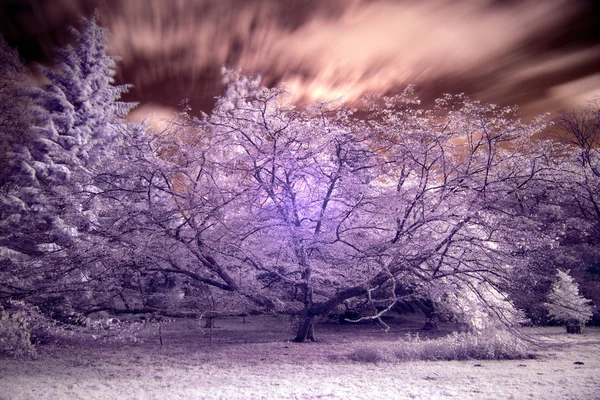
(254, 361)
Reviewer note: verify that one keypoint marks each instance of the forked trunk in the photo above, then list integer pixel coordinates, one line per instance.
(306, 330)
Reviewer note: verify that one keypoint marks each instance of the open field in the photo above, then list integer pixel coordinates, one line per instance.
(253, 360)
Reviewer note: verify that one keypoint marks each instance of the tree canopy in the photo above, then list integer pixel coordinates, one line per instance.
(299, 210)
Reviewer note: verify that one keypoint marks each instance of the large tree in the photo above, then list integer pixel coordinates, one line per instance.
(47, 209)
(299, 210)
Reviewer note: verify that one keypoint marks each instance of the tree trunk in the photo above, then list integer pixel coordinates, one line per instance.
(306, 330)
(574, 328)
(431, 321)
(428, 309)
(306, 327)
(210, 323)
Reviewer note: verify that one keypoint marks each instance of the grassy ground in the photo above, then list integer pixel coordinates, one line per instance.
(253, 360)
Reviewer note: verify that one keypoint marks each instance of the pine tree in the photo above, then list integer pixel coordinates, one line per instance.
(84, 73)
(76, 121)
(74, 125)
(565, 304)
(84, 124)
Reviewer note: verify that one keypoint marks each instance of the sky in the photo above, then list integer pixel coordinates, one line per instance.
(543, 55)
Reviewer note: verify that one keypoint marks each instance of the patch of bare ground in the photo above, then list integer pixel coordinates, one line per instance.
(256, 360)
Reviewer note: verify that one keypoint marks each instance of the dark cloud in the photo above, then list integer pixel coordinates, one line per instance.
(543, 55)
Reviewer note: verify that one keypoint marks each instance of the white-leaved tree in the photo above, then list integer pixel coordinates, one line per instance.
(48, 209)
(301, 209)
(566, 305)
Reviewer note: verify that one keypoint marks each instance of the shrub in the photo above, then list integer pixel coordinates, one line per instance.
(488, 345)
(16, 320)
(23, 326)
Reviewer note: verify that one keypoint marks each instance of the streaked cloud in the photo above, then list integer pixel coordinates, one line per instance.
(527, 52)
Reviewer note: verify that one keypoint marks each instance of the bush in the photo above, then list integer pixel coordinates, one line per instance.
(23, 326)
(16, 320)
(488, 345)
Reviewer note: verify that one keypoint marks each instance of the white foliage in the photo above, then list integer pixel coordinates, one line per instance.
(478, 304)
(49, 205)
(292, 206)
(565, 304)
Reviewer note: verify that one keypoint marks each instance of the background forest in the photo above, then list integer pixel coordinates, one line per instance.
(457, 208)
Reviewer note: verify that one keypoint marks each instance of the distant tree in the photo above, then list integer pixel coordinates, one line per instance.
(570, 208)
(577, 194)
(580, 128)
(566, 305)
(579, 132)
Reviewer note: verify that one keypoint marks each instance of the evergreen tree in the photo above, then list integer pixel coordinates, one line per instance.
(47, 202)
(84, 73)
(16, 116)
(566, 305)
